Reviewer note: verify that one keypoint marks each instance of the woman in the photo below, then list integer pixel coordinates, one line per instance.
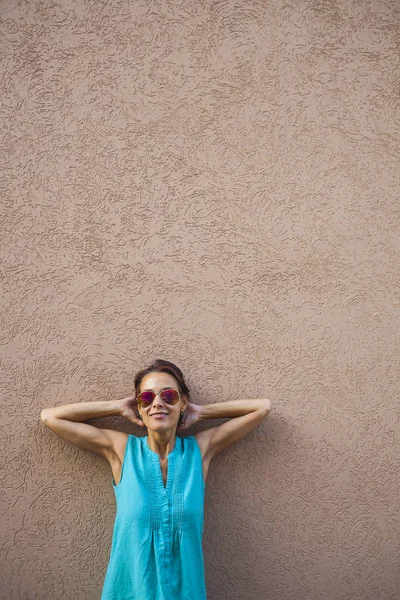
(158, 480)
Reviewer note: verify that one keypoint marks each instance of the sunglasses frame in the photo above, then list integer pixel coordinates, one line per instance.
(158, 394)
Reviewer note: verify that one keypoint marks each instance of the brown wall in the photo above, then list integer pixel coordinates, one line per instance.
(213, 183)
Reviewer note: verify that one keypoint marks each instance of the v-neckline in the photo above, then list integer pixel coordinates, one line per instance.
(161, 471)
(156, 457)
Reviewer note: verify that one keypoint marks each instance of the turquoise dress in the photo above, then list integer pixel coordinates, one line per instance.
(156, 550)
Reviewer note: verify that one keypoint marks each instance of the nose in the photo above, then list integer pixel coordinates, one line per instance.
(157, 400)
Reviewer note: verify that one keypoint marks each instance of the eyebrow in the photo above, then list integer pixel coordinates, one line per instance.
(164, 388)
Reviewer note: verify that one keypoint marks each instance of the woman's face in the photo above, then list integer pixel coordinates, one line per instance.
(156, 382)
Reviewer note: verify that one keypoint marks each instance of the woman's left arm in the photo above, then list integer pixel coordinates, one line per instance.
(245, 415)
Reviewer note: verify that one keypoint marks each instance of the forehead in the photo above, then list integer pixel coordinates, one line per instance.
(157, 381)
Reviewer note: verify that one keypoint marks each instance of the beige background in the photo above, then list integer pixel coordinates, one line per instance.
(214, 183)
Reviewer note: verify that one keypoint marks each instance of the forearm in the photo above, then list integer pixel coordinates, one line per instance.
(82, 411)
(232, 408)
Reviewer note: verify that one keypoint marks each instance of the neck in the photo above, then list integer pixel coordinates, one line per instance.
(162, 442)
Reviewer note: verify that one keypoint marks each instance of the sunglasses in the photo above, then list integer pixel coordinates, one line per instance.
(145, 399)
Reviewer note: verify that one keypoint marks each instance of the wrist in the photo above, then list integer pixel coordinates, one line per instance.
(202, 412)
(124, 405)
(119, 407)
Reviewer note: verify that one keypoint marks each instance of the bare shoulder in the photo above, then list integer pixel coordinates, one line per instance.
(119, 440)
(203, 440)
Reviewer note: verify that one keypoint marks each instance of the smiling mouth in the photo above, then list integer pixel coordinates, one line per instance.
(159, 415)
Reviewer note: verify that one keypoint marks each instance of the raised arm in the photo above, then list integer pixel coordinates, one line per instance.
(245, 415)
(66, 421)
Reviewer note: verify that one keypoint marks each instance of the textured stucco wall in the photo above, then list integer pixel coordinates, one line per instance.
(214, 183)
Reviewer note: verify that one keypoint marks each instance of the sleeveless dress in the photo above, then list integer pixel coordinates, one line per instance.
(156, 550)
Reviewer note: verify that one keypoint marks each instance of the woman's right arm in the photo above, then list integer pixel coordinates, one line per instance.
(66, 421)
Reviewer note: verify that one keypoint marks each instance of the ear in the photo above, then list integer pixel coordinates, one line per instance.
(185, 401)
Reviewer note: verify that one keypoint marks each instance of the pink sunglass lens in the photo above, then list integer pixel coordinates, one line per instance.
(169, 396)
(146, 397)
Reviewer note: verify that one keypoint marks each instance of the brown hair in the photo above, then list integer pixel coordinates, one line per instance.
(163, 366)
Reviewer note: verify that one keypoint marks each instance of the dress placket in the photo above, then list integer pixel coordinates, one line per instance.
(165, 500)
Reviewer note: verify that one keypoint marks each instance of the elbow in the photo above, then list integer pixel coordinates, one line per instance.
(267, 406)
(44, 417)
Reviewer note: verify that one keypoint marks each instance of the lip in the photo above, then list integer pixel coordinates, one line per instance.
(159, 415)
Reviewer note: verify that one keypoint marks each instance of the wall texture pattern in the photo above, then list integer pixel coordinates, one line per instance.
(213, 182)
